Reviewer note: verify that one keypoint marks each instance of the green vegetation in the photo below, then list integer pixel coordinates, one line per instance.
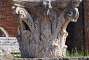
(76, 53)
(73, 53)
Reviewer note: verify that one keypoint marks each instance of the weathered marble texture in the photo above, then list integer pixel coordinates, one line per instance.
(42, 30)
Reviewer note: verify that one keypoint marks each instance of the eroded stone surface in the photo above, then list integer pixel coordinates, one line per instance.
(42, 30)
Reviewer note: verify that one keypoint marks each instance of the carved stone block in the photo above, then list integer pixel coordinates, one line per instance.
(42, 26)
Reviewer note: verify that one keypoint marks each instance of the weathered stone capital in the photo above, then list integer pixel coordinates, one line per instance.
(43, 29)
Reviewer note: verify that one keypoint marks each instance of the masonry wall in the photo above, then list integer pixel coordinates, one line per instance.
(7, 19)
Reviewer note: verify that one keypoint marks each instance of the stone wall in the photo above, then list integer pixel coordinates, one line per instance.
(9, 44)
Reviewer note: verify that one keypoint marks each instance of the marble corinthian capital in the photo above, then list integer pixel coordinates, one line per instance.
(42, 26)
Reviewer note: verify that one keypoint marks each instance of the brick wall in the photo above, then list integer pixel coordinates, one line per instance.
(7, 19)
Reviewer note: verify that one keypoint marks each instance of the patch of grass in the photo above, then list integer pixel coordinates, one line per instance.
(73, 53)
(77, 53)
